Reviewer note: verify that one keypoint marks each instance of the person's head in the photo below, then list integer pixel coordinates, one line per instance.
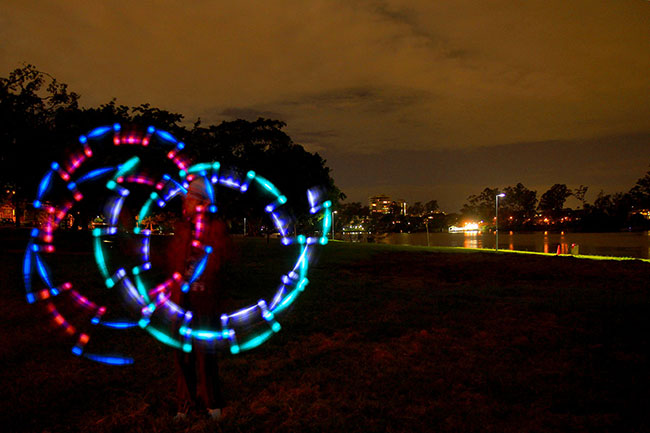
(196, 196)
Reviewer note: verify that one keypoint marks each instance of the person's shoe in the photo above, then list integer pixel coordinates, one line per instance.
(180, 416)
(215, 414)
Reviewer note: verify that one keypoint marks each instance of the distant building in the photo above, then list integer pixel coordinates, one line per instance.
(380, 204)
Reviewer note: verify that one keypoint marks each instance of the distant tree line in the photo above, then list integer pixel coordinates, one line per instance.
(41, 118)
(520, 209)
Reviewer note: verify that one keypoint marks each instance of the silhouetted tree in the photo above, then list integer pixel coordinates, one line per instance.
(520, 202)
(579, 193)
(609, 212)
(416, 209)
(350, 214)
(41, 118)
(482, 205)
(603, 202)
(263, 146)
(552, 201)
(30, 101)
(640, 192)
(431, 206)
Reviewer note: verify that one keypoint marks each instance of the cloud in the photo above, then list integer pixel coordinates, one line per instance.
(383, 73)
(249, 114)
(362, 79)
(364, 99)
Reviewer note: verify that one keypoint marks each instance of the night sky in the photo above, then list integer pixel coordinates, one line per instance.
(417, 99)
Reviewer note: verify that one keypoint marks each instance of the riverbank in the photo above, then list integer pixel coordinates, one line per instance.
(619, 244)
(502, 251)
(385, 338)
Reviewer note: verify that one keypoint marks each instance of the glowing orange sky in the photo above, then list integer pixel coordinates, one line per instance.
(418, 99)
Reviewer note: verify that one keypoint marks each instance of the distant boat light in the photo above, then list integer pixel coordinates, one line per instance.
(468, 227)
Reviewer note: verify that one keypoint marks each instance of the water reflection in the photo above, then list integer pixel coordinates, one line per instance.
(624, 244)
(472, 240)
(546, 242)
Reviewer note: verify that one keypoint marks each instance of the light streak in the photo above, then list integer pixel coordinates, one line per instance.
(109, 360)
(165, 136)
(158, 298)
(95, 174)
(119, 325)
(99, 132)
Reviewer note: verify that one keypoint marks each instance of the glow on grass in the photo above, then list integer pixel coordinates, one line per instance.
(506, 251)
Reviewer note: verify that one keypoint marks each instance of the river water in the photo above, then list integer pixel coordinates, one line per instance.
(624, 244)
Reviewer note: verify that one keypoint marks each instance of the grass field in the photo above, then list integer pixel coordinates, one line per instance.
(385, 338)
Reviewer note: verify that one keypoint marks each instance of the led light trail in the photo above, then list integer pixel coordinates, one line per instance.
(149, 303)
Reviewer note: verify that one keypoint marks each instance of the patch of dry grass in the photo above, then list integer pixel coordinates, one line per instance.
(384, 339)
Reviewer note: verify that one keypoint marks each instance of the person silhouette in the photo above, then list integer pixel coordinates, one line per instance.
(197, 372)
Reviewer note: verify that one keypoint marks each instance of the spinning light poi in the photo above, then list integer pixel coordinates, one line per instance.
(149, 303)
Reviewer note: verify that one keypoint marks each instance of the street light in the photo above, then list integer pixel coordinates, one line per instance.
(496, 220)
(333, 213)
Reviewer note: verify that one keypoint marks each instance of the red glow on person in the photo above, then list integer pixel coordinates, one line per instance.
(198, 384)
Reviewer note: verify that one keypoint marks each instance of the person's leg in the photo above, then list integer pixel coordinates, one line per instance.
(185, 380)
(208, 383)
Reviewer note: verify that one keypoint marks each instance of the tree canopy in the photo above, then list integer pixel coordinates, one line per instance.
(553, 200)
(481, 205)
(520, 202)
(41, 118)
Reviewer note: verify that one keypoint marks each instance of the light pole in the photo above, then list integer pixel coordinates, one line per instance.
(496, 220)
(426, 224)
(333, 213)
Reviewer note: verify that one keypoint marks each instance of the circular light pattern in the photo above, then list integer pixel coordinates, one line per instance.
(154, 310)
